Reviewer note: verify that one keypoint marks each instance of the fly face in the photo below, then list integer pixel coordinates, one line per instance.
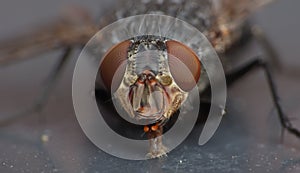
(152, 68)
(151, 76)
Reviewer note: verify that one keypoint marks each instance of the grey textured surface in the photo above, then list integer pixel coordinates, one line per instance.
(248, 139)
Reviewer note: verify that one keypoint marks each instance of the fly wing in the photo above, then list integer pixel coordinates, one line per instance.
(75, 28)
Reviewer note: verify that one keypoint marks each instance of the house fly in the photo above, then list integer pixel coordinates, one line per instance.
(224, 23)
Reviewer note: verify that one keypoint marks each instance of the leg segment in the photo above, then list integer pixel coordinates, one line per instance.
(157, 149)
(40, 102)
(235, 75)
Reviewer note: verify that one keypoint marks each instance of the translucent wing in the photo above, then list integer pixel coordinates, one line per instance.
(75, 28)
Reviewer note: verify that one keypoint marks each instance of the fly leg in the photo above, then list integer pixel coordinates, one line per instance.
(41, 101)
(269, 50)
(157, 149)
(271, 53)
(258, 62)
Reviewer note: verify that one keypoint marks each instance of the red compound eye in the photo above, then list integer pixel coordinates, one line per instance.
(184, 65)
(114, 60)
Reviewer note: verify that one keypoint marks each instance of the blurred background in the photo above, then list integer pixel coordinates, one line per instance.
(248, 139)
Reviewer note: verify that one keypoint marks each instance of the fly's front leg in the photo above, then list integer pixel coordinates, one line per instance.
(258, 62)
(157, 149)
(40, 102)
(267, 47)
(272, 54)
